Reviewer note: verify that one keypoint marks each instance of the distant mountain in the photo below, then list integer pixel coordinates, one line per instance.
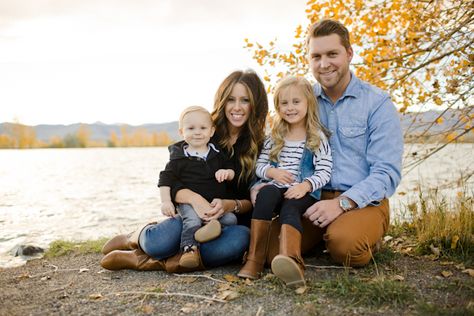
(413, 122)
(99, 131)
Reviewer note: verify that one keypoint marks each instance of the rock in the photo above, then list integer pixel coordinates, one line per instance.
(27, 250)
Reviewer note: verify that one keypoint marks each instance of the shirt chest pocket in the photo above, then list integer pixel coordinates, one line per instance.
(353, 139)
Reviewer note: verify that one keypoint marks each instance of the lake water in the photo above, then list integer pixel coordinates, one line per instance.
(80, 194)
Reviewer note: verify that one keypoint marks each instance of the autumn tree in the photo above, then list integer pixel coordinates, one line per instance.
(420, 51)
(23, 136)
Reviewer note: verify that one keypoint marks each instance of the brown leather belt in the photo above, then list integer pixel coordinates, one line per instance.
(330, 194)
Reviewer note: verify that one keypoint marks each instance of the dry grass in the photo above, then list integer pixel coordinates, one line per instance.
(443, 224)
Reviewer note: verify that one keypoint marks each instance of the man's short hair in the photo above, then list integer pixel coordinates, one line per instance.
(327, 27)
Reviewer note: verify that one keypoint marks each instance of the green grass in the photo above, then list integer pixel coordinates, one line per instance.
(61, 247)
(434, 310)
(369, 293)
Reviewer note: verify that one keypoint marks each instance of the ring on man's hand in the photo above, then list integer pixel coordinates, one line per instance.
(319, 222)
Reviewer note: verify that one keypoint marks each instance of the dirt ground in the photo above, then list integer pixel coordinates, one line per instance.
(76, 285)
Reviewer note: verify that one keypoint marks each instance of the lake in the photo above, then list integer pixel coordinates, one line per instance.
(80, 194)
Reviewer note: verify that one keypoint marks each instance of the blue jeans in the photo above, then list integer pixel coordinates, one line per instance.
(162, 240)
(192, 222)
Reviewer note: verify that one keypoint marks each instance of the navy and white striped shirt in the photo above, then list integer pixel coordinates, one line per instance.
(290, 158)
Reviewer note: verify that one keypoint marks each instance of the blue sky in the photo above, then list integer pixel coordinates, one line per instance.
(128, 61)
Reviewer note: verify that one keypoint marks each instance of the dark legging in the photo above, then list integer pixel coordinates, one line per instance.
(270, 200)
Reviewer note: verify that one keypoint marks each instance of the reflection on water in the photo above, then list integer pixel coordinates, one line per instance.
(75, 194)
(79, 194)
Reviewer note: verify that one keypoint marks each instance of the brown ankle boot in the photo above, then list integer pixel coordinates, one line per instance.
(131, 259)
(259, 231)
(190, 257)
(289, 265)
(124, 242)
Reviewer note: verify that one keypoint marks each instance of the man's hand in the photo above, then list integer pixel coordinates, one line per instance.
(323, 213)
(297, 191)
(279, 175)
(168, 209)
(224, 174)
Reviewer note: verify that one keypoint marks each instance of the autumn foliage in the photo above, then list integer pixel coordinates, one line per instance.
(419, 51)
(20, 136)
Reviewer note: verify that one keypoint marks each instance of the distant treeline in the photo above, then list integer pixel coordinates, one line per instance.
(21, 136)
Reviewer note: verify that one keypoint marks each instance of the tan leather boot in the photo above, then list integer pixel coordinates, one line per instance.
(289, 265)
(172, 264)
(259, 233)
(131, 259)
(124, 242)
(208, 232)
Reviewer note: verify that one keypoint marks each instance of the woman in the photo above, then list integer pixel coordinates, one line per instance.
(240, 110)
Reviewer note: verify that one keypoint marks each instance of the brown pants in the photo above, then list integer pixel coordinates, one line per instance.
(350, 239)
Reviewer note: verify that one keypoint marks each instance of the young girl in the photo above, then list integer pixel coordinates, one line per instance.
(296, 163)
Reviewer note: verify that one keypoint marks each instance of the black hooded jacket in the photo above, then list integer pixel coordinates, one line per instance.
(195, 174)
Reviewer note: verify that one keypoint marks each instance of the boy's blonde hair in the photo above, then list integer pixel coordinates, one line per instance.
(190, 109)
(313, 124)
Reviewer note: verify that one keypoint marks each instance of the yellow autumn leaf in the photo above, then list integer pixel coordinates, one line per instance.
(439, 120)
(231, 278)
(454, 241)
(446, 273)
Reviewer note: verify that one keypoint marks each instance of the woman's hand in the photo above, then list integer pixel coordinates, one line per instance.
(199, 204)
(281, 176)
(254, 192)
(168, 209)
(217, 210)
(297, 191)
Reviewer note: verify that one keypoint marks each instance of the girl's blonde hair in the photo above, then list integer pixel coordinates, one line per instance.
(252, 133)
(313, 123)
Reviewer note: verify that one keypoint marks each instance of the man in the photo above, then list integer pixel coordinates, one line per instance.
(367, 146)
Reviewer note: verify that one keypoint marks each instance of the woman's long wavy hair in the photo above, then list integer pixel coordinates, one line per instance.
(313, 123)
(252, 133)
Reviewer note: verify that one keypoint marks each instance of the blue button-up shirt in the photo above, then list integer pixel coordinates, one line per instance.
(366, 142)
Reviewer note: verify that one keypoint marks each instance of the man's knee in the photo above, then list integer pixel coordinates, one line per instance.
(348, 251)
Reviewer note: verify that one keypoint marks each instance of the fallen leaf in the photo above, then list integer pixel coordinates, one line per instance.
(460, 266)
(387, 238)
(435, 250)
(248, 282)
(446, 263)
(231, 278)
(188, 279)
(224, 286)
(469, 271)
(83, 270)
(23, 276)
(446, 274)
(301, 290)
(228, 295)
(148, 309)
(397, 277)
(189, 308)
(95, 296)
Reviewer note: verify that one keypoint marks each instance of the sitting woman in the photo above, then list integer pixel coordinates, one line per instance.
(240, 110)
